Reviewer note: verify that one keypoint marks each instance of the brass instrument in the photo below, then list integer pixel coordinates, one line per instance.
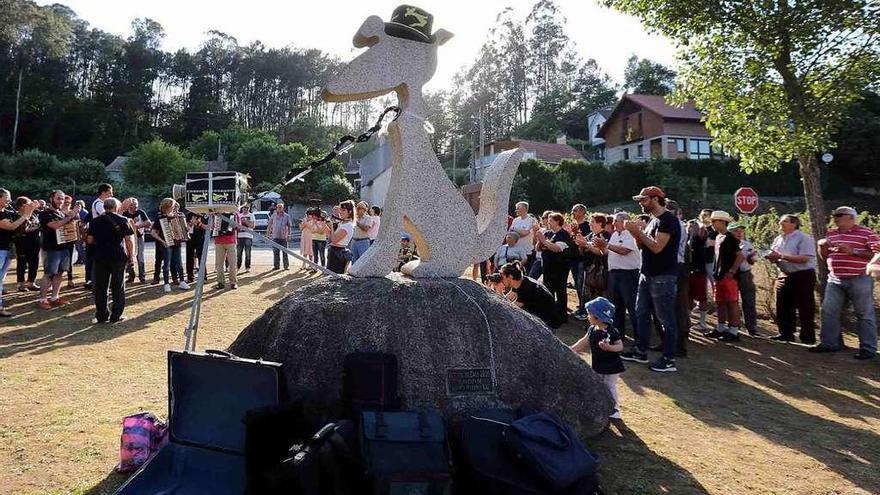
(69, 232)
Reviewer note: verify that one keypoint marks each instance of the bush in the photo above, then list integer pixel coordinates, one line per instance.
(158, 163)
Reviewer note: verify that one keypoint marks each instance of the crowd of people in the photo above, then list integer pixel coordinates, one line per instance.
(654, 271)
(658, 270)
(108, 241)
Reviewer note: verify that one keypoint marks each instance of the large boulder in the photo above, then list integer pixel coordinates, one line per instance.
(432, 325)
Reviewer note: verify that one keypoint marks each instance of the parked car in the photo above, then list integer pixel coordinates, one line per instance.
(261, 220)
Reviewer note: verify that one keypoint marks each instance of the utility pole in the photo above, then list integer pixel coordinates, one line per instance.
(453, 161)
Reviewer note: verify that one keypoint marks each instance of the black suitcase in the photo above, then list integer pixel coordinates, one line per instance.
(328, 464)
(369, 383)
(208, 398)
(405, 453)
(485, 465)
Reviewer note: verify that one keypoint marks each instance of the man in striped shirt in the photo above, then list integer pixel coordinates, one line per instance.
(847, 250)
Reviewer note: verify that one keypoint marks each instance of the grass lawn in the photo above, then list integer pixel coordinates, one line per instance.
(755, 417)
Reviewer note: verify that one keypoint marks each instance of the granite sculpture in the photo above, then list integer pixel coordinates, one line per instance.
(421, 199)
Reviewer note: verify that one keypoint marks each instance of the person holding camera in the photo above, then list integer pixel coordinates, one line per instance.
(10, 221)
(339, 239)
(529, 294)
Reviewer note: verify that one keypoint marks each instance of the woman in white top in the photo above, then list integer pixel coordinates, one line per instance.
(339, 253)
(360, 240)
(375, 215)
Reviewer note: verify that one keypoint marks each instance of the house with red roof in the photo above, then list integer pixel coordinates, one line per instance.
(644, 127)
(552, 153)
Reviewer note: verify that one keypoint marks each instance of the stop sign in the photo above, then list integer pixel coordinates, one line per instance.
(746, 200)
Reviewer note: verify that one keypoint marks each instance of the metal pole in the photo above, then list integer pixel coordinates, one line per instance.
(193, 326)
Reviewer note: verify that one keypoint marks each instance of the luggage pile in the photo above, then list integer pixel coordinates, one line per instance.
(232, 430)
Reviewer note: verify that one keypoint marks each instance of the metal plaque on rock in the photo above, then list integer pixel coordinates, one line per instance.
(466, 381)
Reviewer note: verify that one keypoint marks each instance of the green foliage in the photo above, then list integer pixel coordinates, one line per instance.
(327, 183)
(558, 187)
(229, 140)
(266, 160)
(647, 77)
(34, 173)
(773, 78)
(157, 163)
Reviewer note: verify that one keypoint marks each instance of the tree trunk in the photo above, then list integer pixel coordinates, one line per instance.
(810, 174)
(17, 107)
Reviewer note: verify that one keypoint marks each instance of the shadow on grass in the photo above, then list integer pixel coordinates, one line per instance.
(40, 331)
(636, 468)
(108, 485)
(780, 393)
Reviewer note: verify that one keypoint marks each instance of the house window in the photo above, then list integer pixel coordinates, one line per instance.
(640, 150)
(598, 126)
(700, 149)
(679, 144)
(626, 153)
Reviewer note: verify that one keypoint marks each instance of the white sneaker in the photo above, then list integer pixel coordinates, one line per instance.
(167, 288)
(183, 285)
(615, 414)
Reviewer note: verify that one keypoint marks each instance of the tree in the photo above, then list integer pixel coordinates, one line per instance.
(774, 78)
(157, 163)
(31, 34)
(268, 161)
(647, 77)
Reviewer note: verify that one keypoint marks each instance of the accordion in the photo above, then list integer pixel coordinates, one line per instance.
(221, 227)
(69, 232)
(174, 229)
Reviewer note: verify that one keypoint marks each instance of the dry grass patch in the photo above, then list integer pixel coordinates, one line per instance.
(753, 417)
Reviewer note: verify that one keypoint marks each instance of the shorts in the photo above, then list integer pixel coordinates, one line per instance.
(697, 287)
(57, 262)
(726, 290)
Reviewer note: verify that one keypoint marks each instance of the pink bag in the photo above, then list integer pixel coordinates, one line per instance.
(142, 435)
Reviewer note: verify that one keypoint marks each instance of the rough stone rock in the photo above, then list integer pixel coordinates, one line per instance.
(431, 325)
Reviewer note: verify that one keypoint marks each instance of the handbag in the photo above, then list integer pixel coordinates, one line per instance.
(551, 448)
(596, 276)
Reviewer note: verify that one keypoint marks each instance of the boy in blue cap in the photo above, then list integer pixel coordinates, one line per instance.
(605, 345)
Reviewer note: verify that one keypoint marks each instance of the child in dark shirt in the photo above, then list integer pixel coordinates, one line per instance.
(605, 345)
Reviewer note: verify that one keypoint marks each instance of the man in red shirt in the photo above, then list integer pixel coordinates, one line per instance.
(847, 250)
(225, 241)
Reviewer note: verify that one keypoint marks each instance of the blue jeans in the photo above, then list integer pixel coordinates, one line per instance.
(5, 261)
(657, 295)
(358, 248)
(859, 290)
(171, 264)
(577, 273)
(623, 286)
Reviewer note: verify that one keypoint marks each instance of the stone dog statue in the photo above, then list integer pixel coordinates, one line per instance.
(421, 199)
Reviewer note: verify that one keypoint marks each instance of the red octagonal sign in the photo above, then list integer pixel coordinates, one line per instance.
(746, 200)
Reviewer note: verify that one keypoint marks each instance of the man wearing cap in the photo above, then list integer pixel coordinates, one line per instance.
(847, 250)
(794, 253)
(744, 279)
(658, 279)
(728, 258)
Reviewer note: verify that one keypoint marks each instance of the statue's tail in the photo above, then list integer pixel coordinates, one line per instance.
(494, 196)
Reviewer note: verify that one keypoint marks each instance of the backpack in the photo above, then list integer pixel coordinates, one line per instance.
(142, 436)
